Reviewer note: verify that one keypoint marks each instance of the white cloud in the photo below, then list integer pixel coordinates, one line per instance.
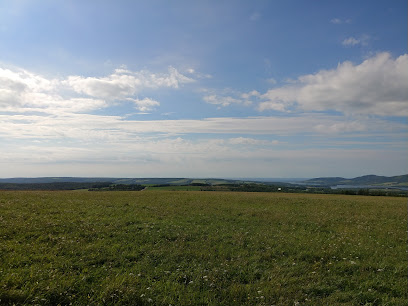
(279, 99)
(96, 128)
(250, 94)
(16, 84)
(221, 100)
(351, 41)
(79, 144)
(233, 98)
(145, 104)
(376, 86)
(10, 92)
(113, 87)
(124, 83)
(341, 127)
(23, 91)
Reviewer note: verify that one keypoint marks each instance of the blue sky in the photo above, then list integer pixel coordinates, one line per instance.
(203, 88)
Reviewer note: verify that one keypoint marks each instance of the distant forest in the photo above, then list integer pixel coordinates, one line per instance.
(53, 186)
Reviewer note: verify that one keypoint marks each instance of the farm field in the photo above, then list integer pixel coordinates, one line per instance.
(175, 188)
(156, 247)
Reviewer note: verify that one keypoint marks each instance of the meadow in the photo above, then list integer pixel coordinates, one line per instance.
(156, 247)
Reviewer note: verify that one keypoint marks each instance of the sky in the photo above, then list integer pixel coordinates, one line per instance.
(285, 88)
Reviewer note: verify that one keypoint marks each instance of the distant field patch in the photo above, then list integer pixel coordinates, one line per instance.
(176, 188)
(208, 248)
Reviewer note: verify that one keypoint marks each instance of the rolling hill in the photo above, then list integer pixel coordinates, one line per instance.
(400, 180)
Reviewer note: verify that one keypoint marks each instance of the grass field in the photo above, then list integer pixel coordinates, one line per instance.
(202, 248)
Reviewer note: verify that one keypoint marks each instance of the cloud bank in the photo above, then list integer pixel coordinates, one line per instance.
(22, 91)
(49, 123)
(377, 86)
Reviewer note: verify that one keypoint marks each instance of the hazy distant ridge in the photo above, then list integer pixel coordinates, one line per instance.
(322, 181)
(46, 180)
(141, 181)
(361, 180)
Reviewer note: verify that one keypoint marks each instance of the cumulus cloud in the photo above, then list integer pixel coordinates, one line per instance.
(145, 104)
(21, 90)
(250, 94)
(124, 83)
(47, 122)
(10, 92)
(279, 99)
(376, 86)
(16, 84)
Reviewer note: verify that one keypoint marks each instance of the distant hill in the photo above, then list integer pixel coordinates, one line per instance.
(141, 181)
(46, 180)
(400, 180)
(366, 180)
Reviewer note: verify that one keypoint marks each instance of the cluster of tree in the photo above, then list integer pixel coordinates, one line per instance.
(254, 187)
(251, 187)
(373, 192)
(186, 185)
(200, 184)
(119, 187)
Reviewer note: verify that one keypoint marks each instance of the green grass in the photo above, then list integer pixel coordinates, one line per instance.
(202, 248)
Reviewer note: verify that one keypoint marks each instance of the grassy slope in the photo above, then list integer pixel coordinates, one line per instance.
(215, 248)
